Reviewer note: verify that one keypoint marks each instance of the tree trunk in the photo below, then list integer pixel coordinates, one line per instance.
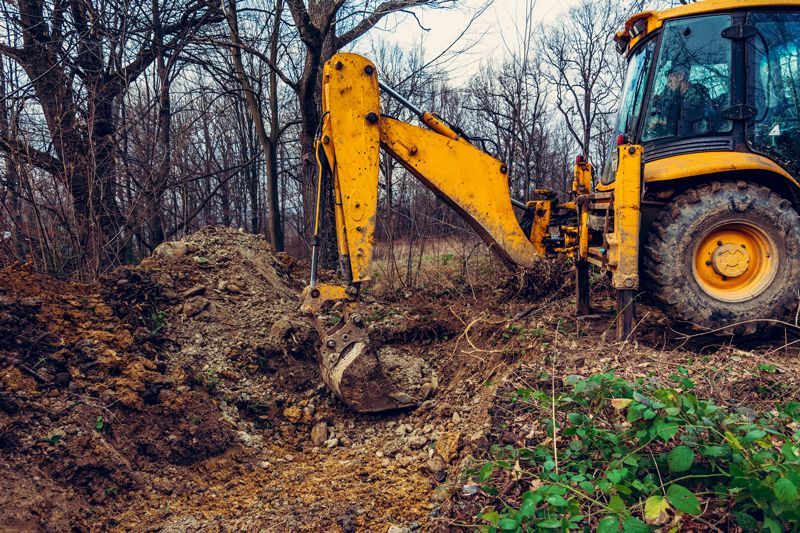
(154, 193)
(273, 220)
(274, 208)
(11, 171)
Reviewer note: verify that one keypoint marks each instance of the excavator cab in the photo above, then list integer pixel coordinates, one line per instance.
(711, 96)
(720, 81)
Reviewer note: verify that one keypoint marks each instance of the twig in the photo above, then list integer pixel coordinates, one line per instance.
(774, 321)
(553, 396)
(26, 369)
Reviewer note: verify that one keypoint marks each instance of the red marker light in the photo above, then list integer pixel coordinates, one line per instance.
(621, 139)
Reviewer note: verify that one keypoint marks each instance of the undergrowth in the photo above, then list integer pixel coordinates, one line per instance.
(639, 456)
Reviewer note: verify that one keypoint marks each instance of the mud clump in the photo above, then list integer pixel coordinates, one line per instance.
(411, 374)
(183, 430)
(547, 277)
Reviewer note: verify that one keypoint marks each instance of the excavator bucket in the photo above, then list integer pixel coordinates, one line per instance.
(349, 366)
(352, 370)
(359, 381)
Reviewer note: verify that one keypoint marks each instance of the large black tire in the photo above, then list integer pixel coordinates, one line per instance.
(678, 233)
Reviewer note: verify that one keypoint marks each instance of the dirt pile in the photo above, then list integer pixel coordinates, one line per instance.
(183, 394)
(85, 398)
(232, 325)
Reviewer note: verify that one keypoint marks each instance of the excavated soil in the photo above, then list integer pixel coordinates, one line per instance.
(183, 394)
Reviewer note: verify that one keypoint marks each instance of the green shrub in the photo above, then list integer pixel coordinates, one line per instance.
(637, 456)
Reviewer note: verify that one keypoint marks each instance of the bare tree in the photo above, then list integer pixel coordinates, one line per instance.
(268, 141)
(79, 57)
(580, 53)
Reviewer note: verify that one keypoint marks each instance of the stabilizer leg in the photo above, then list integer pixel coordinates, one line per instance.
(582, 291)
(626, 313)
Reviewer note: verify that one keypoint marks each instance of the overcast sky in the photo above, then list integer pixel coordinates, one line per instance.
(488, 37)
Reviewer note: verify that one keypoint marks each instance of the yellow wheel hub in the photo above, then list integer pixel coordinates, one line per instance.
(735, 261)
(730, 260)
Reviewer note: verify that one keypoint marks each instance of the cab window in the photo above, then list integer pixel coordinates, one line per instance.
(631, 104)
(692, 81)
(776, 89)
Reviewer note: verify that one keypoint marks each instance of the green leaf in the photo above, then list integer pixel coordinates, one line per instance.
(609, 524)
(53, 439)
(557, 501)
(772, 525)
(680, 459)
(665, 430)
(745, 521)
(785, 491)
(733, 441)
(551, 523)
(486, 472)
(655, 510)
(617, 504)
(788, 451)
(508, 524)
(529, 502)
(713, 451)
(493, 517)
(683, 499)
(635, 412)
(634, 525)
(616, 476)
(754, 435)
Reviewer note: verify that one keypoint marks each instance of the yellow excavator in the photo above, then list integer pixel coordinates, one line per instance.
(697, 206)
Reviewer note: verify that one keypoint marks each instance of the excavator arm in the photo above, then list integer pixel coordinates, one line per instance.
(472, 182)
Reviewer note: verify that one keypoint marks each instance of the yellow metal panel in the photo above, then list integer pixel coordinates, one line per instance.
(313, 298)
(699, 164)
(623, 249)
(470, 181)
(582, 178)
(543, 211)
(600, 187)
(352, 105)
(583, 227)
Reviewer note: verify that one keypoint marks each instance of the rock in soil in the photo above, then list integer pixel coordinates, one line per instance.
(319, 433)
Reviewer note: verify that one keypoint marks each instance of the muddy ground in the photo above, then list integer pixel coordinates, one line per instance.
(183, 395)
